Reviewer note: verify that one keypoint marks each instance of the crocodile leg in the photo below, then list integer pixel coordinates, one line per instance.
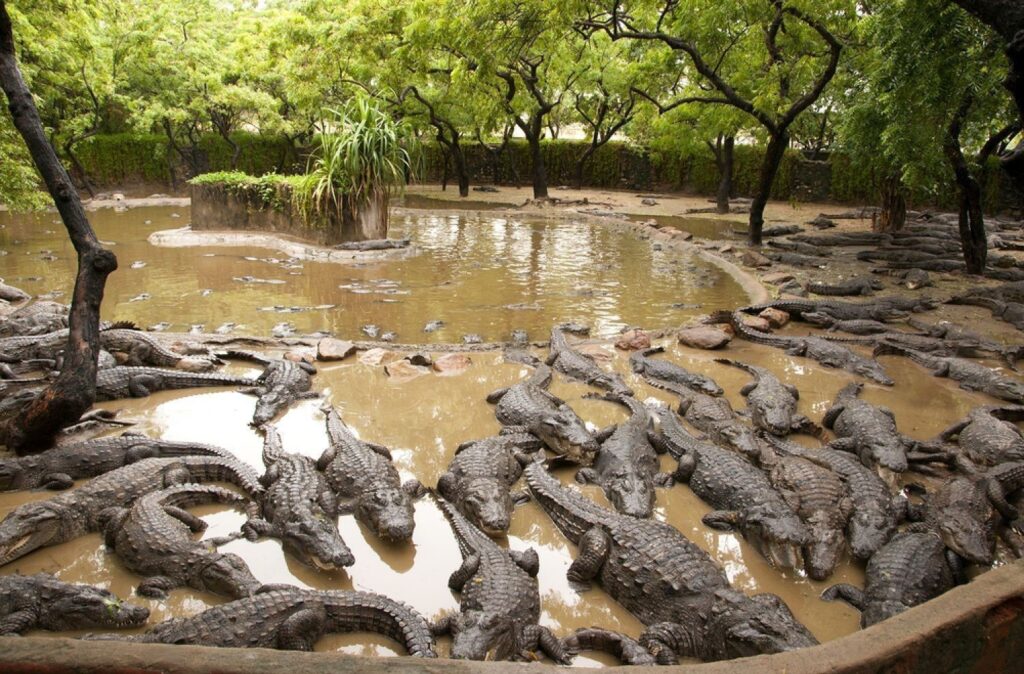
(414, 488)
(997, 495)
(462, 574)
(586, 476)
(17, 622)
(627, 650)
(540, 638)
(666, 641)
(722, 520)
(520, 497)
(594, 547)
(852, 595)
(156, 587)
(494, 396)
(194, 524)
(301, 630)
(527, 560)
(446, 625)
(141, 385)
(57, 481)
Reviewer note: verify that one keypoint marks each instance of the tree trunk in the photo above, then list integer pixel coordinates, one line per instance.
(79, 169)
(1013, 162)
(461, 171)
(894, 204)
(444, 166)
(724, 160)
(64, 401)
(971, 222)
(540, 174)
(769, 168)
(581, 165)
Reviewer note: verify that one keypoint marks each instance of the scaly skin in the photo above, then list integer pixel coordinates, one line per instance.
(923, 343)
(367, 483)
(800, 247)
(796, 308)
(969, 375)
(28, 347)
(77, 512)
(816, 348)
(987, 437)
(41, 602)
(859, 285)
(1006, 311)
(517, 350)
(960, 512)
(627, 465)
(772, 404)
(956, 333)
(861, 326)
(628, 650)
(796, 259)
(500, 602)
(138, 382)
(293, 619)
(480, 476)
(1002, 481)
(299, 508)
(153, 538)
(869, 432)
(664, 370)
(576, 365)
(281, 383)
(666, 581)
(142, 349)
(909, 570)
(741, 494)
(529, 407)
(37, 318)
(59, 467)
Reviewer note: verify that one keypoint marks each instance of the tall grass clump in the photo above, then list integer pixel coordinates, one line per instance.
(363, 155)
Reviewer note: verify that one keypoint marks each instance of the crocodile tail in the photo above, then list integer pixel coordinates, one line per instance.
(887, 348)
(234, 354)
(188, 495)
(211, 469)
(273, 449)
(121, 325)
(719, 317)
(470, 538)
(365, 611)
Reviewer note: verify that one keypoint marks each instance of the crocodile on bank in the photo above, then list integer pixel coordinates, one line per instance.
(299, 508)
(153, 538)
(141, 349)
(952, 331)
(796, 259)
(821, 350)
(528, 407)
(292, 619)
(59, 467)
(138, 382)
(858, 285)
(909, 570)
(41, 602)
(581, 367)
(366, 482)
(663, 370)
(770, 403)
(499, 607)
(969, 375)
(74, 513)
(861, 326)
(963, 516)
(33, 347)
(877, 310)
(666, 581)
(37, 318)
(281, 383)
(480, 476)
(876, 512)
(741, 494)
(626, 467)
(626, 649)
(987, 436)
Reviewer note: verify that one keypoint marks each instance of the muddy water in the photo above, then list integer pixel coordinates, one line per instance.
(423, 420)
(701, 228)
(479, 274)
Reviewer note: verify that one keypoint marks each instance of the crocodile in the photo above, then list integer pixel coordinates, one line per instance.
(75, 513)
(906, 304)
(844, 239)
(936, 265)
(1008, 312)
(281, 383)
(37, 318)
(861, 326)
(625, 648)
(153, 538)
(581, 367)
(938, 346)
(969, 375)
(41, 602)
(12, 294)
(797, 260)
(141, 349)
(821, 350)
(960, 511)
(819, 497)
(499, 606)
(528, 407)
(138, 382)
(290, 618)
(299, 508)
(987, 436)
(59, 467)
(800, 247)
(663, 370)
(518, 350)
(480, 476)
(33, 347)
(913, 279)
(838, 309)
(666, 581)
(908, 570)
(741, 494)
(999, 483)
(858, 285)
(898, 255)
(876, 512)
(626, 468)
(366, 482)
(770, 403)
(952, 331)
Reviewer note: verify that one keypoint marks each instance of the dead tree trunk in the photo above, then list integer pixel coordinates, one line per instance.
(894, 204)
(74, 391)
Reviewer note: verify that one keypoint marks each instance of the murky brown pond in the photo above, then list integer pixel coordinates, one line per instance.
(701, 228)
(423, 420)
(483, 274)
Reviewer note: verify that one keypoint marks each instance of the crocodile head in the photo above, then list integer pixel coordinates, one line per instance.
(873, 370)
(563, 431)
(487, 504)
(313, 538)
(478, 635)
(75, 607)
(745, 626)
(968, 536)
(388, 512)
(779, 536)
(629, 493)
(743, 439)
(826, 547)
(888, 457)
(30, 527)
(228, 575)
(1006, 389)
(268, 405)
(869, 530)
(10, 472)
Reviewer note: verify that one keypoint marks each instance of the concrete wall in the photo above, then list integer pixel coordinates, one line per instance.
(978, 627)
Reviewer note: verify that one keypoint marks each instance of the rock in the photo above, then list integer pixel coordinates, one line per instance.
(433, 326)
(793, 289)
(472, 338)
(595, 351)
(452, 364)
(334, 349)
(389, 336)
(752, 258)
(307, 355)
(575, 328)
(648, 202)
(403, 370)
(378, 356)
(727, 248)
(681, 235)
(757, 323)
(633, 340)
(776, 317)
(704, 337)
(777, 277)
